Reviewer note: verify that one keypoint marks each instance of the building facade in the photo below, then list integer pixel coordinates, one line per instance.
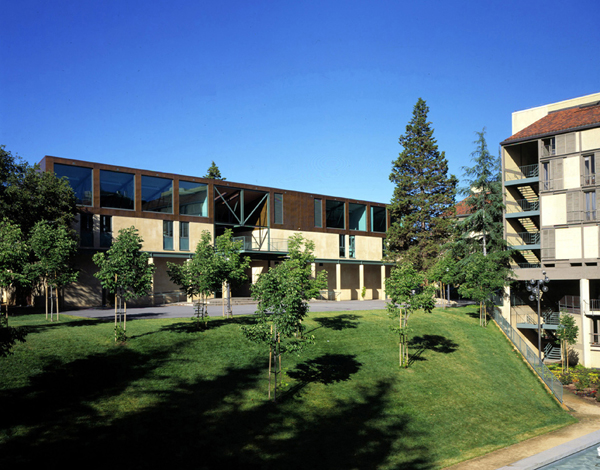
(171, 211)
(551, 220)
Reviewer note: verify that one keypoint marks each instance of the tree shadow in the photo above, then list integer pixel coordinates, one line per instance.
(326, 369)
(339, 322)
(435, 343)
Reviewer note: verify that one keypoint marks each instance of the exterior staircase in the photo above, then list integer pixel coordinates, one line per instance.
(552, 353)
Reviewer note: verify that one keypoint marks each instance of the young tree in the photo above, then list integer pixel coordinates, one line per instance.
(198, 276)
(566, 332)
(423, 200)
(54, 246)
(407, 292)
(214, 173)
(124, 270)
(230, 265)
(283, 293)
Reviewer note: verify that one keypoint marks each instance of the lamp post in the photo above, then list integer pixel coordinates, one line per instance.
(536, 287)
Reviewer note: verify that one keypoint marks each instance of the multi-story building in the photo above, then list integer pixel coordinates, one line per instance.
(551, 195)
(171, 211)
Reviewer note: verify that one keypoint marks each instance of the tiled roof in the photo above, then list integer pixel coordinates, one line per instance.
(462, 208)
(560, 121)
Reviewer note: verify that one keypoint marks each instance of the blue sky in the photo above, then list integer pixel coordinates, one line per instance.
(308, 96)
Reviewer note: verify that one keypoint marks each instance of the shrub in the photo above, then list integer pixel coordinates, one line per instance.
(565, 378)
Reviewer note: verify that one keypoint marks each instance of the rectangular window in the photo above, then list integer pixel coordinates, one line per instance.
(378, 219)
(595, 332)
(318, 213)
(116, 190)
(80, 179)
(335, 214)
(546, 176)
(342, 246)
(589, 170)
(352, 247)
(590, 205)
(549, 147)
(157, 194)
(105, 231)
(86, 230)
(278, 208)
(167, 235)
(357, 215)
(184, 236)
(193, 198)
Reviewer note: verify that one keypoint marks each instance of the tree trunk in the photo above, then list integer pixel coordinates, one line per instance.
(229, 311)
(46, 293)
(270, 359)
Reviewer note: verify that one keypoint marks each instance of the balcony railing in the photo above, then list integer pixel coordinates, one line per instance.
(522, 205)
(588, 180)
(527, 265)
(523, 238)
(250, 243)
(551, 184)
(526, 171)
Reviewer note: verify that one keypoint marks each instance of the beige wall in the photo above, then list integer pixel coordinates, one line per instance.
(572, 173)
(568, 243)
(368, 248)
(590, 241)
(554, 209)
(590, 139)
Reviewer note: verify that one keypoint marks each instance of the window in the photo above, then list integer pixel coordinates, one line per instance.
(193, 198)
(86, 230)
(167, 235)
(590, 205)
(549, 147)
(342, 246)
(589, 170)
(357, 215)
(595, 332)
(105, 231)
(80, 179)
(157, 194)
(278, 208)
(352, 247)
(318, 213)
(116, 190)
(184, 236)
(552, 175)
(378, 219)
(335, 214)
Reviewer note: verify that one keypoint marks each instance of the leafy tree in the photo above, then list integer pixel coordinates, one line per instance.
(214, 173)
(54, 246)
(423, 199)
(283, 293)
(198, 276)
(230, 265)
(481, 233)
(444, 271)
(566, 332)
(124, 270)
(408, 293)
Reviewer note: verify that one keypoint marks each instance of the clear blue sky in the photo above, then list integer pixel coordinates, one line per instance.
(302, 95)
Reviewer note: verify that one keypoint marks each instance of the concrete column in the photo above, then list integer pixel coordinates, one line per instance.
(313, 270)
(383, 293)
(361, 280)
(151, 261)
(584, 295)
(338, 281)
(505, 309)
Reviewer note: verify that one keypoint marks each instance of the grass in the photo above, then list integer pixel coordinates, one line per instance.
(173, 395)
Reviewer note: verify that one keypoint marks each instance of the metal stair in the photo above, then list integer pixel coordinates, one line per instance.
(552, 353)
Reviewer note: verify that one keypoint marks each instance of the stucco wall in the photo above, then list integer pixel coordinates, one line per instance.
(568, 243)
(554, 209)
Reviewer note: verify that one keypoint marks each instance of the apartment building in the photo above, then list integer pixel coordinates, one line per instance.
(551, 220)
(171, 211)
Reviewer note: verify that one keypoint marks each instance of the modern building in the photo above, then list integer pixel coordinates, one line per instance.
(551, 195)
(171, 212)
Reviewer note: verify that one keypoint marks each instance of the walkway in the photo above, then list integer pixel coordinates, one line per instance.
(512, 457)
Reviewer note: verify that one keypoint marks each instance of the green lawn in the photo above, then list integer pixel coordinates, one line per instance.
(173, 395)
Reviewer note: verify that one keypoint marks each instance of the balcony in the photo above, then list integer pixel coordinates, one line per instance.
(522, 208)
(524, 240)
(526, 174)
(588, 179)
(550, 320)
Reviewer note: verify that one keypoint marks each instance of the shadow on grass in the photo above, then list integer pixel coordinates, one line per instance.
(76, 411)
(435, 343)
(339, 322)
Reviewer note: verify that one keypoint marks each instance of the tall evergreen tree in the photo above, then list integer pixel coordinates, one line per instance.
(423, 202)
(214, 173)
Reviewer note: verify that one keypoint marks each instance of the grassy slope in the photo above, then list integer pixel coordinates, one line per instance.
(174, 395)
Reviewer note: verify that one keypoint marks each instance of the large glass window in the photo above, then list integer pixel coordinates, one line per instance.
(105, 231)
(358, 217)
(80, 179)
(589, 170)
(590, 205)
(157, 194)
(184, 236)
(86, 230)
(342, 246)
(352, 246)
(167, 235)
(193, 198)
(116, 190)
(335, 216)
(278, 207)
(378, 219)
(318, 213)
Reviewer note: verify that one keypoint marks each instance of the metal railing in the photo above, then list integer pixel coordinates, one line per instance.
(522, 205)
(594, 305)
(526, 171)
(588, 180)
(570, 304)
(250, 243)
(527, 265)
(523, 238)
(531, 357)
(551, 184)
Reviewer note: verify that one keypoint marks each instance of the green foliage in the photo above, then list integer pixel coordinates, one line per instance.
(9, 336)
(230, 265)
(566, 333)
(407, 292)
(13, 255)
(423, 196)
(214, 173)
(120, 336)
(124, 267)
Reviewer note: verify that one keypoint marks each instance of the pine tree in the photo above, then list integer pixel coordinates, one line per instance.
(213, 172)
(423, 202)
